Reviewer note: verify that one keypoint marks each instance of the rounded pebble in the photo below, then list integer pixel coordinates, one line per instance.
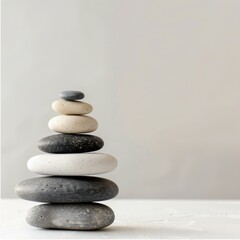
(70, 143)
(84, 216)
(71, 95)
(71, 107)
(72, 124)
(72, 164)
(56, 189)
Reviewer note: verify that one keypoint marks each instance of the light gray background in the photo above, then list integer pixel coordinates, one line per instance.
(163, 78)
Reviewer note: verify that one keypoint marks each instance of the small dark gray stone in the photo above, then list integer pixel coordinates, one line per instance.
(83, 216)
(70, 143)
(67, 189)
(71, 95)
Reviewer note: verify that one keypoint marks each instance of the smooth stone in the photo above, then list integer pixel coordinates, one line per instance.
(83, 216)
(70, 143)
(56, 189)
(72, 124)
(71, 95)
(71, 107)
(72, 164)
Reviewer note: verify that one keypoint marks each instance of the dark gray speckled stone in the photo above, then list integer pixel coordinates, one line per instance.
(70, 143)
(66, 189)
(83, 216)
(71, 95)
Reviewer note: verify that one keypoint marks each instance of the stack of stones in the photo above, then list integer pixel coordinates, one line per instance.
(70, 195)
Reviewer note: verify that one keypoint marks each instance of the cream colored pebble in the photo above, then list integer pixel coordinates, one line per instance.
(72, 124)
(72, 164)
(71, 107)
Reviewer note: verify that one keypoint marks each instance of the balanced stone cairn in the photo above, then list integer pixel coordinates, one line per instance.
(70, 195)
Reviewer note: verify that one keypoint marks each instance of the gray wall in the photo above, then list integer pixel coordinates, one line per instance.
(163, 78)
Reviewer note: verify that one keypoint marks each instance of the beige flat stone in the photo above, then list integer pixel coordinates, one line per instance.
(72, 124)
(73, 164)
(71, 107)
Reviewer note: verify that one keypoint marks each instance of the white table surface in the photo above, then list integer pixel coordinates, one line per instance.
(139, 219)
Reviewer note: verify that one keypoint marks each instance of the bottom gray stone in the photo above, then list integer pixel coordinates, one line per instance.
(78, 216)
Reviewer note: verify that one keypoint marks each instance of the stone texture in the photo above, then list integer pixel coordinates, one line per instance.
(66, 189)
(72, 124)
(70, 143)
(71, 95)
(83, 216)
(71, 107)
(72, 164)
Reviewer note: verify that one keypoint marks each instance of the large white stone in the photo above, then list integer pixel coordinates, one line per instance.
(71, 107)
(72, 124)
(72, 164)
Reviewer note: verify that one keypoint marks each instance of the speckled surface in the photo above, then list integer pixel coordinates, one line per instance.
(71, 95)
(83, 216)
(66, 189)
(70, 143)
